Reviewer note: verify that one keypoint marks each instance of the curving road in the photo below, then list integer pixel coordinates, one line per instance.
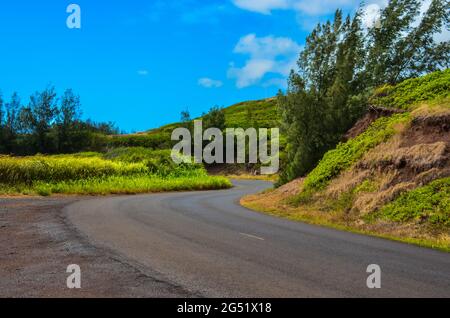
(208, 244)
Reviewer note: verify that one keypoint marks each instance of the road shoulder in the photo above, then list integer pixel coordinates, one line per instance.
(38, 244)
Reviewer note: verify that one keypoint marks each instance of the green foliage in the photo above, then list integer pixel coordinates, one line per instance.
(215, 118)
(48, 126)
(399, 47)
(410, 92)
(46, 168)
(38, 117)
(158, 162)
(325, 98)
(257, 114)
(264, 114)
(123, 170)
(154, 140)
(430, 204)
(346, 154)
(128, 185)
(340, 65)
(366, 186)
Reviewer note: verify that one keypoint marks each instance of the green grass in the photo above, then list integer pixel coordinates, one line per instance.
(346, 154)
(320, 221)
(429, 204)
(119, 171)
(158, 162)
(257, 114)
(126, 185)
(155, 140)
(27, 170)
(409, 93)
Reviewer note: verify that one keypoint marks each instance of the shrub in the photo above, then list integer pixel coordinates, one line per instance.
(430, 204)
(346, 154)
(57, 168)
(410, 92)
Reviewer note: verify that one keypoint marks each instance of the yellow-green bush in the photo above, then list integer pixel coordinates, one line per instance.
(14, 170)
(410, 92)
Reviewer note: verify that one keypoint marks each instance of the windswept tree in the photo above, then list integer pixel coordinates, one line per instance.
(320, 102)
(340, 64)
(2, 149)
(402, 44)
(186, 120)
(215, 118)
(11, 123)
(68, 122)
(39, 116)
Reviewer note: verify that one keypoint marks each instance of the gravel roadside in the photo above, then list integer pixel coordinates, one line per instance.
(37, 244)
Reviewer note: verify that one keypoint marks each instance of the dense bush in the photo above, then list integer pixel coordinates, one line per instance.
(151, 140)
(121, 170)
(430, 203)
(346, 154)
(158, 162)
(410, 92)
(52, 169)
(256, 114)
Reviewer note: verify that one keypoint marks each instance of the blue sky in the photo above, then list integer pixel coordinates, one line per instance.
(140, 63)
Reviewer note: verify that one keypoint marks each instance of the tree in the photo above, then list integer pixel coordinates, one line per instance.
(185, 116)
(68, 116)
(186, 120)
(215, 118)
(1, 109)
(38, 118)
(2, 149)
(336, 75)
(402, 45)
(11, 123)
(318, 107)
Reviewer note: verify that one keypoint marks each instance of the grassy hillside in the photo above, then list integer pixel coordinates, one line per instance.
(410, 93)
(136, 163)
(390, 179)
(258, 114)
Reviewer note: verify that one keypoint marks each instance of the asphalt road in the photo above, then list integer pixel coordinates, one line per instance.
(206, 243)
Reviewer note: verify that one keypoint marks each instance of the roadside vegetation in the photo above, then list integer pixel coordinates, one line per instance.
(388, 85)
(367, 120)
(391, 180)
(120, 171)
(408, 94)
(428, 204)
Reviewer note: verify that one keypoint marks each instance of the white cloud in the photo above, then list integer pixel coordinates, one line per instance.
(321, 7)
(278, 82)
(372, 14)
(251, 73)
(209, 83)
(444, 36)
(268, 54)
(310, 7)
(142, 72)
(262, 6)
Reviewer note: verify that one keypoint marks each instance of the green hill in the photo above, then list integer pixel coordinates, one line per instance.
(391, 178)
(258, 114)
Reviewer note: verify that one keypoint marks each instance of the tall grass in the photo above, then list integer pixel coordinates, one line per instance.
(129, 185)
(53, 169)
(407, 94)
(120, 171)
(346, 154)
